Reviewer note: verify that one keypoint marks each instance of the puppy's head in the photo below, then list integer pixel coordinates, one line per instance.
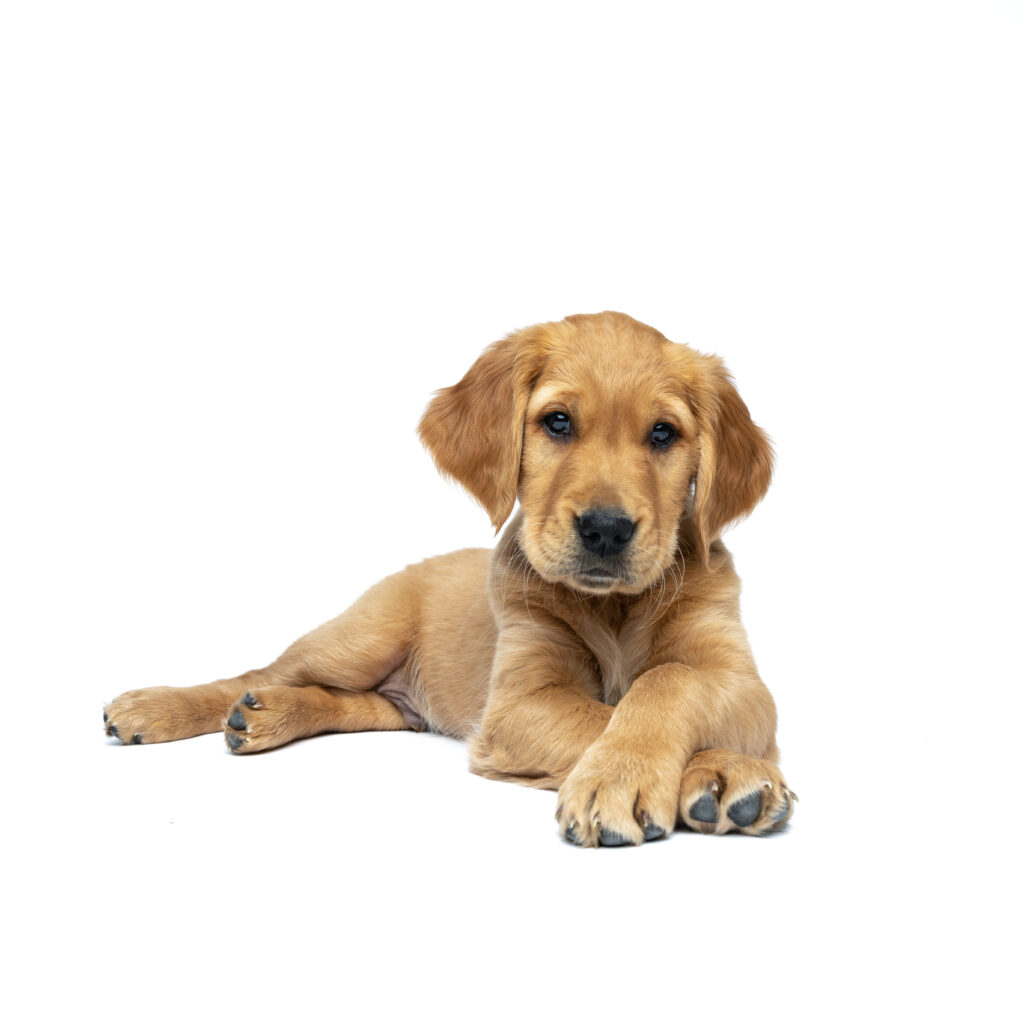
(610, 436)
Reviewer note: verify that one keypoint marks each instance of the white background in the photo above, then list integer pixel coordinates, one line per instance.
(243, 243)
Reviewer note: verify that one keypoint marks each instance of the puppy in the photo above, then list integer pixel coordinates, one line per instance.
(598, 649)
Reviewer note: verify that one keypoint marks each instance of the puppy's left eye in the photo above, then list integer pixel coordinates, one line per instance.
(663, 435)
(558, 425)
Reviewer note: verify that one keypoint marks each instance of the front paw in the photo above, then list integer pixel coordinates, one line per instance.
(723, 791)
(618, 797)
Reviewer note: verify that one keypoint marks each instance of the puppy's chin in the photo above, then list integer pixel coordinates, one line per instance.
(596, 585)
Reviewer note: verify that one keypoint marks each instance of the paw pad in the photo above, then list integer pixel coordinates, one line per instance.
(746, 811)
(705, 809)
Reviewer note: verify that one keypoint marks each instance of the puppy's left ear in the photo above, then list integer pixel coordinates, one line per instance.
(736, 460)
(474, 429)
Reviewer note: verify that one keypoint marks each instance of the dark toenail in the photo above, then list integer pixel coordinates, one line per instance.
(137, 738)
(250, 701)
(571, 835)
(104, 716)
(113, 732)
(651, 831)
(607, 837)
(746, 811)
(234, 742)
(705, 809)
(236, 721)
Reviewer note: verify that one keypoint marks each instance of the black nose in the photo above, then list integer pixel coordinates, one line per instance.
(605, 531)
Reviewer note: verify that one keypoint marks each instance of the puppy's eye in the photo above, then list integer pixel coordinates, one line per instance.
(663, 435)
(557, 424)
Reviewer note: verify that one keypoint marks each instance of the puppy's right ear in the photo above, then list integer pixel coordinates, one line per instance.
(474, 430)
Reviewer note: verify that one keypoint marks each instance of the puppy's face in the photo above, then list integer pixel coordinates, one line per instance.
(610, 445)
(610, 436)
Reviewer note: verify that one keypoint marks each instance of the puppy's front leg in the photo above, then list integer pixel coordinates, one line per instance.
(542, 710)
(625, 788)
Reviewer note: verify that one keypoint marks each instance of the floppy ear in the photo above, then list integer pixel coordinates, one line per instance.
(736, 460)
(474, 430)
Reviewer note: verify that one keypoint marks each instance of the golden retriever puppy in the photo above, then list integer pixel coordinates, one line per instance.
(598, 649)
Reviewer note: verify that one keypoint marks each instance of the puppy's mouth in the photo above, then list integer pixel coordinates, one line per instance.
(597, 578)
(598, 575)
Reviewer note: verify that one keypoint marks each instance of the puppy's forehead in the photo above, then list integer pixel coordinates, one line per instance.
(611, 360)
(608, 337)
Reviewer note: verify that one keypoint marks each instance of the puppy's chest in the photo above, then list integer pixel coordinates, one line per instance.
(620, 654)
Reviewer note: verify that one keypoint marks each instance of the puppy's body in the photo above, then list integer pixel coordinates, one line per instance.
(598, 650)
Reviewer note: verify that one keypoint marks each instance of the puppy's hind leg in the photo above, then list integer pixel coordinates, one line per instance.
(159, 714)
(339, 663)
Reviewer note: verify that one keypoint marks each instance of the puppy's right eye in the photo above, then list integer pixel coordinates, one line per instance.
(558, 425)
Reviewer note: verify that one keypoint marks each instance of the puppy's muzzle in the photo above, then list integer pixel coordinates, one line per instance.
(605, 532)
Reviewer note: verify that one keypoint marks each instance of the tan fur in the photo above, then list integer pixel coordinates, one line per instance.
(636, 695)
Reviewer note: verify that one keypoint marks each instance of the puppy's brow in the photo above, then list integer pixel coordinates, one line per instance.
(545, 394)
(682, 412)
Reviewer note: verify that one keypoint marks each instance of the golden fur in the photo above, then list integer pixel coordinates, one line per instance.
(612, 668)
